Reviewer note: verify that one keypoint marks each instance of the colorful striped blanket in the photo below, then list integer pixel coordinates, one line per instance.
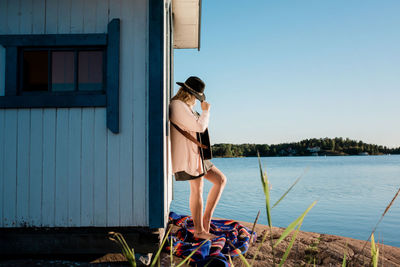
(218, 249)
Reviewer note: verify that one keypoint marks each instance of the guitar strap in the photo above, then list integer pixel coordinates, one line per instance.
(189, 136)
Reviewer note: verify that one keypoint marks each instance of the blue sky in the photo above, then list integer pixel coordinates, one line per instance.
(282, 71)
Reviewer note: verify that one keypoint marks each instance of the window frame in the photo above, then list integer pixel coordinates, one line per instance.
(75, 50)
(14, 97)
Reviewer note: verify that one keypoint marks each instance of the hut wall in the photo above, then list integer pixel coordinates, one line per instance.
(62, 166)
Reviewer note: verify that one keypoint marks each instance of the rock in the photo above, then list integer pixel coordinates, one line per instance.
(324, 249)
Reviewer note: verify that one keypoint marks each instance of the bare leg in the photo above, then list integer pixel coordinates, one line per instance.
(218, 179)
(196, 207)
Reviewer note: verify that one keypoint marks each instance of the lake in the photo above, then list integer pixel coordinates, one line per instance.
(352, 193)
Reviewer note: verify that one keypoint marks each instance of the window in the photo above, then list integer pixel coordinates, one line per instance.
(64, 70)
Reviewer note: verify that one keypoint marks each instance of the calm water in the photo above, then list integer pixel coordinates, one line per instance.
(352, 193)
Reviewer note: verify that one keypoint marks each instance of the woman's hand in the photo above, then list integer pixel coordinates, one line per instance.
(205, 105)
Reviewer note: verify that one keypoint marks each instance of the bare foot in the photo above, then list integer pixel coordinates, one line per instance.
(206, 223)
(204, 235)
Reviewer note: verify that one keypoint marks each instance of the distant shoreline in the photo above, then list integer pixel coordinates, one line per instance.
(337, 146)
(278, 156)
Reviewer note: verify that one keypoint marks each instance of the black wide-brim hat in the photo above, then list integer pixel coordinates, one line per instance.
(195, 86)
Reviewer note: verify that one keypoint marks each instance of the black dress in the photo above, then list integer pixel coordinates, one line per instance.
(183, 176)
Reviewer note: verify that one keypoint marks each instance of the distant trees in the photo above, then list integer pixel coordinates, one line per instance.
(323, 146)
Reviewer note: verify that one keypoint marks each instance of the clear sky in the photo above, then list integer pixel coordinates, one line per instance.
(282, 71)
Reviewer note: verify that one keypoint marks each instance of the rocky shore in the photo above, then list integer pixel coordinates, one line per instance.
(323, 249)
(326, 250)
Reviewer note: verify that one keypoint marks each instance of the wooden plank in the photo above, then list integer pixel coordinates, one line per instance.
(49, 167)
(2, 133)
(10, 168)
(62, 149)
(24, 133)
(26, 17)
(113, 147)
(112, 179)
(3, 17)
(74, 167)
(87, 170)
(100, 167)
(140, 87)
(89, 16)
(36, 171)
(13, 16)
(101, 16)
(3, 30)
(156, 134)
(51, 26)
(64, 16)
(38, 17)
(77, 16)
(49, 101)
(54, 39)
(76, 26)
(126, 134)
(113, 75)
(23, 145)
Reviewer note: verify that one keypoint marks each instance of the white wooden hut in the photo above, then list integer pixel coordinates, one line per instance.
(84, 93)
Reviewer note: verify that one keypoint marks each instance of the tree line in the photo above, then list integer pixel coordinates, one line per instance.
(314, 146)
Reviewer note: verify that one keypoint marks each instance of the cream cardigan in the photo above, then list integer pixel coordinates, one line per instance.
(185, 154)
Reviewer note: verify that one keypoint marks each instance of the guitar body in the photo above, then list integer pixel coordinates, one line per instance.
(204, 138)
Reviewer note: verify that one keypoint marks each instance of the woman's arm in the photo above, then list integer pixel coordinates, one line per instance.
(181, 115)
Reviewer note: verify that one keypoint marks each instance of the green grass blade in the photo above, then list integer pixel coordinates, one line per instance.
(230, 261)
(264, 182)
(344, 256)
(171, 248)
(372, 245)
(290, 188)
(160, 248)
(126, 251)
(375, 259)
(261, 170)
(125, 248)
(374, 252)
(267, 202)
(191, 254)
(289, 248)
(291, 227)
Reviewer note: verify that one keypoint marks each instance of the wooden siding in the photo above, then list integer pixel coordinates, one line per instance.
(62, 166)
(168, 84)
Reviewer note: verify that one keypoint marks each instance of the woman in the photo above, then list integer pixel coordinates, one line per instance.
(187, 163)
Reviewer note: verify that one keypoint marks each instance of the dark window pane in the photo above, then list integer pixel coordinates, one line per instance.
(62, 78)
(35, 64)
(90, 70)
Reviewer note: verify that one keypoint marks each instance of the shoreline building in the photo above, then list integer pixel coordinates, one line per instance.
(84, 132)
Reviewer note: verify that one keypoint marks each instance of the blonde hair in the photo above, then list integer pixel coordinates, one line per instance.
(183, 95)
